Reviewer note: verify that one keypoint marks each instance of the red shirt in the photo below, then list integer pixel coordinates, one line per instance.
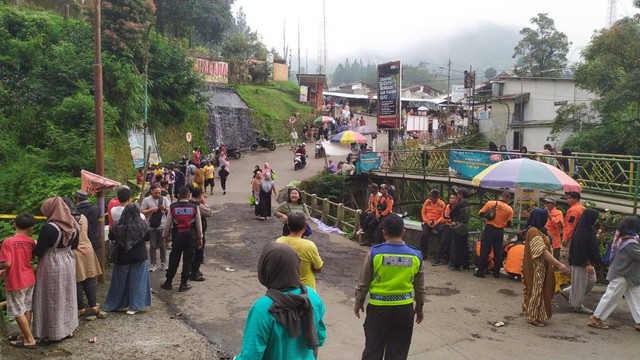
(112, 203)
(18, 250)
(362, 122)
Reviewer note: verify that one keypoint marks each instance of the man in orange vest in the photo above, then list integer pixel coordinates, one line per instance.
(498, 215)
(446, 234)
(554, 224)
(431, 220)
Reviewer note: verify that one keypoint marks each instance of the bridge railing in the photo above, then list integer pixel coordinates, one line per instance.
(332, 213)
(612, 175)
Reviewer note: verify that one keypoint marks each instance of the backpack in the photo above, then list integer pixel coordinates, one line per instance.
(156, 217)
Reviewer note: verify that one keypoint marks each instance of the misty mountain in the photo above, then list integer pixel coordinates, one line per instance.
(482, 46)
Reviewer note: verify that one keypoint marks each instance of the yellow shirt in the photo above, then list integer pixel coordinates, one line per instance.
(309, 258)
(209, 171)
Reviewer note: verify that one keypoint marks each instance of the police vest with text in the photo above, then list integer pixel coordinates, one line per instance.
(394, 269)
(184, 216)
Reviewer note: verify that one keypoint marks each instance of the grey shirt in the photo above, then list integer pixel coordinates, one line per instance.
(149, 203)
(626, 264)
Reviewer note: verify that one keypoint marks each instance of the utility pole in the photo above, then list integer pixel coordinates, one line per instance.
(298, 46)
(99, 121)
(448, 85)
(306, 61)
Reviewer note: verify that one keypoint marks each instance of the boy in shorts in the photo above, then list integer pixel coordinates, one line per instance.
(15, 257)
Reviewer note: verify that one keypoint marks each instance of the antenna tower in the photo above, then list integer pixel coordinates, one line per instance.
(612, 13)
(322, 46)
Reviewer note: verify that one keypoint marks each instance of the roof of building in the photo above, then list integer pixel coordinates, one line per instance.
(312, 79)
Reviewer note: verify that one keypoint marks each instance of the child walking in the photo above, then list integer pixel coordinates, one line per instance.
(15, 257)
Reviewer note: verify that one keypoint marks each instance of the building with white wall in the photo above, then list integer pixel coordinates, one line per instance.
(523, 111)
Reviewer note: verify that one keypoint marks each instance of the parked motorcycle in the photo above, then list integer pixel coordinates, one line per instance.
(231, 152)
(319, 151)
(265, 143)
(299, 161)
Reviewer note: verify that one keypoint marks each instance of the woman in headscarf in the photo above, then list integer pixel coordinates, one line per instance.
(538, 279)
(55, 305)
(129, 288)
(293, 203)
(267, 189)
(584, 255)
(623, 275)
(87, 266)
(286, 323)
(268, 171)
(255, 188)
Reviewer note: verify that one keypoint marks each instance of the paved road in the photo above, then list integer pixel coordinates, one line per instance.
(460, 312)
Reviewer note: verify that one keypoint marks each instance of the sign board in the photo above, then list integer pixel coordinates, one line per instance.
(524, 201)
(213, 71)
(389, 85)
(417, 123)
(560, 103)
(136, 142)
(483, 115)
(457, 93)
(467, 164)
(304, 92)
(292, 119)
(188, 136)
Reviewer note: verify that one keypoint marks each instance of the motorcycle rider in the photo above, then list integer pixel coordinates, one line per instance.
(302, 150)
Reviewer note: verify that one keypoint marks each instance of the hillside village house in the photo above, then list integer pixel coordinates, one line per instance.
(523, 111)
(357, 88)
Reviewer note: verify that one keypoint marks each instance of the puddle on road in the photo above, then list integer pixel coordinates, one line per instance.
(441, 291)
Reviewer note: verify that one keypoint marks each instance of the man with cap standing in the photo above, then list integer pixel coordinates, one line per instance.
(92, 213)
(460, 215)
(493, 233)
(554, 224)
(431, 220)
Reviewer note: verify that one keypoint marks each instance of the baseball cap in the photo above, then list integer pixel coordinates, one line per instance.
(549, 199)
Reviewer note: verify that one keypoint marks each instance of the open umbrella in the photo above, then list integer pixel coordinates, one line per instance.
(527, 174)
(365, 130)
(348, 137)
(323, 120)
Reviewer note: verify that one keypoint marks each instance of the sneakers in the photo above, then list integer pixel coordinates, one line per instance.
(583, 310)
(153, 268)
(164, 267)
(435, 262)
(166, 285)
(196, 278)
(184, 287)
(132, 312)
(478, 273)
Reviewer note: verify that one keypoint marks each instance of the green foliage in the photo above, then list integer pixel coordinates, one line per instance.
(273, 105)
(125, 26)
(543, 48)
(241, 47)
(490, 73)
(330, 186)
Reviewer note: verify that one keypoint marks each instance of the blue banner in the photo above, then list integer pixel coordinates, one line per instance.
(369, 161)
(467, 164)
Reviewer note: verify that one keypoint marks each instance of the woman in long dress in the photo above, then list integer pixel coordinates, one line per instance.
(537, 269)
(55, 306)
(129, 288)
(267, 189)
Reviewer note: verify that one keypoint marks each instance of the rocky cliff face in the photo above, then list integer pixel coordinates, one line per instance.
(229, 120)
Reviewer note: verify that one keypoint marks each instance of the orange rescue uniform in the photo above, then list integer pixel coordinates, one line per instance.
(571, 220)
(504, 213)
(553, 225)
(432, 212)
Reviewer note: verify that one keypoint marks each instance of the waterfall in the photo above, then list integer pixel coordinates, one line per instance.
(229, 119)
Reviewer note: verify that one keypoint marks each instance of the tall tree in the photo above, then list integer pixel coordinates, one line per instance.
(611, 70)
(126, 24)
(490, 73)
(542, 50)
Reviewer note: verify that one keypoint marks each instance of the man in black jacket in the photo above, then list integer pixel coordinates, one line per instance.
(92, 213)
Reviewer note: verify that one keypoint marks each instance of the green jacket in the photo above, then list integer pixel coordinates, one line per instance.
(460, 214)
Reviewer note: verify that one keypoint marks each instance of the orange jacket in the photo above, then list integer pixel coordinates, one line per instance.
(432, 212)
(513, 262)
(373, 202)
(571, 220)
(504, 213)
(446, 217)
(388, 209)
(553, 225)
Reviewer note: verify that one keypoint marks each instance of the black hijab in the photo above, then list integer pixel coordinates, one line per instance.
(130, 229)
(584, 243)
(279, 270)
(538, 219)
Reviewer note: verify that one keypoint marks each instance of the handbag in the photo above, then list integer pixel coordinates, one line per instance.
(491, 213)
(307, 231)
(156, 217)
(273, 175)
(252, 200)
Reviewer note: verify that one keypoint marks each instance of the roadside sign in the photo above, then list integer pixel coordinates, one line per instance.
(292, 119)
(188, 137)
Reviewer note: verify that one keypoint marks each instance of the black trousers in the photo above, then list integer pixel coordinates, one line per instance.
(424, 238)
(446, 237)
(86, 287)
(492, 238)
(365, 219)
(459, 250)
(223, 183)
(183, 245)
(198, 259)
(388, 331)
(373, 232)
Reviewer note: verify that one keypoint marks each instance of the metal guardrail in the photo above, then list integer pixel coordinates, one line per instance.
(612, 175)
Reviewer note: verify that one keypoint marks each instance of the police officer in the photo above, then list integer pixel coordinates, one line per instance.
(185, 226)
(393, 275)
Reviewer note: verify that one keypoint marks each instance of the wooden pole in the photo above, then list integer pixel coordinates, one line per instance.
(99, 121)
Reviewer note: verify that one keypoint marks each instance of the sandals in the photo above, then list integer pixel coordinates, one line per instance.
(537, 323)
(15, 337)
(598, 324)
(21, 345)
(98, 313)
